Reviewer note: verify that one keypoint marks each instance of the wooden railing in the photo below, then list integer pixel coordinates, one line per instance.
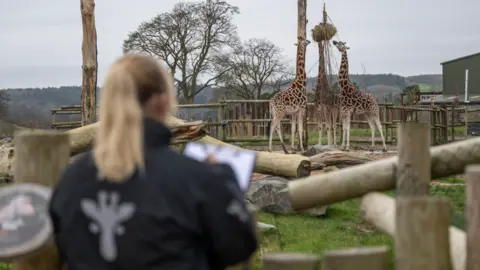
(240, 120)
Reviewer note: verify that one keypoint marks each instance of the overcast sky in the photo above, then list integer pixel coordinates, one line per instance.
(40, 41)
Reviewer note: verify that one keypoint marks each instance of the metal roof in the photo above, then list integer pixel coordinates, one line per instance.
(450, 99)
(460, 58)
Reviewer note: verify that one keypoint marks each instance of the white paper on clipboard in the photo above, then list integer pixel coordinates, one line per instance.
(242, 161)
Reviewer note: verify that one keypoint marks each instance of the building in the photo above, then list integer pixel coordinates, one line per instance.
(461, 80)
(462, 76)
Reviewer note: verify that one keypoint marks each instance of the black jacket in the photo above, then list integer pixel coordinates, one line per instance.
(179, 214)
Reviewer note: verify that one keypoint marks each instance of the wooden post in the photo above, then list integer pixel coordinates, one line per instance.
(413, 172)
(385, 120)
(466, 122)
(366, 258)
(290, 261)
(302, 32)
(453, 123)
(40, 157)
(422, 234)
(89, 55)
(220, 118)
(472, 215)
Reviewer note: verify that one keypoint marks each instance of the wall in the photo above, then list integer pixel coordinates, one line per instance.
(454, 76)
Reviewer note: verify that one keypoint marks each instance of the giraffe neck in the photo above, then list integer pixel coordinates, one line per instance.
(343, 73)
(300, 74)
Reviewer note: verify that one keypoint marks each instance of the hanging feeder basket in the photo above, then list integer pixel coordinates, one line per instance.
(323, 32)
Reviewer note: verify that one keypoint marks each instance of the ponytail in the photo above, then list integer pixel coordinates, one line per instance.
(118, 149)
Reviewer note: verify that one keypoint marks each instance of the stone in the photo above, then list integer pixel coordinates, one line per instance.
(317, 149)
(265, 227)
(270, 194)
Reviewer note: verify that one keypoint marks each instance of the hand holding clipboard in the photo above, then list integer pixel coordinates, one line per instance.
(242, 161)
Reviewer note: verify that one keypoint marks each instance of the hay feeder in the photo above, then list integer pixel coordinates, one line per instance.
(323, 32)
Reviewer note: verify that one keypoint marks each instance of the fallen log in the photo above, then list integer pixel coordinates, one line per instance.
(267, 163)
(339, 159)
(349, 183)
(81, 138)
(380, 210)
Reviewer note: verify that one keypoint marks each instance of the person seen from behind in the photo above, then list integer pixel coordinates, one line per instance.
(132, 202)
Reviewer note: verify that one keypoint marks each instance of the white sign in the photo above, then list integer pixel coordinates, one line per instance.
(242, 161)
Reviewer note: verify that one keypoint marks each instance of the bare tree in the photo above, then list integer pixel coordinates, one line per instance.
(251, 68)
(188, 39)
(4, 99)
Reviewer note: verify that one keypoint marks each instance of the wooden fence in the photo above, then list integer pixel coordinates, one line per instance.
(247, 120)
(419, 224)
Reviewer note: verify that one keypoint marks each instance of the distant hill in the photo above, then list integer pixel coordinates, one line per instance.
(30, 107)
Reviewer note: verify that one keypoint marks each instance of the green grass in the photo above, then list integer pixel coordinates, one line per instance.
(342, 226)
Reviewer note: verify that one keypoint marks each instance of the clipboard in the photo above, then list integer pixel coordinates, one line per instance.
(242, 161)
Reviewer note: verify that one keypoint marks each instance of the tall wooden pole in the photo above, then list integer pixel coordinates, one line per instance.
(302, 32)
(89, 67)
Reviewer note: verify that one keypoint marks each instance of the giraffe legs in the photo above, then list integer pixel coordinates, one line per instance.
(276, 126)
(346, 130)
(329, 133)
(320, 132)
(273, 127)
(300, 115)
(347, 147)
(371, 123)
(293, 129)
(333, 118)
(379, 126)
(279, 131)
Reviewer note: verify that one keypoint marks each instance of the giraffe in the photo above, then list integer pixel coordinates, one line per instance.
(352, 100)
(326, 102)
(291, 101)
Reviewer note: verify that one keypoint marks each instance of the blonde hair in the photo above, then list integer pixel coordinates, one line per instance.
(130, 83)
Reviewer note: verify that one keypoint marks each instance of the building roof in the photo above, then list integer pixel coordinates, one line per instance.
(460, 58)
(450, 98)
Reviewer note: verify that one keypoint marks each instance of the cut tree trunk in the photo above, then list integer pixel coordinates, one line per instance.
(89, 67)
(81, 138)
(339, 159)
(292, 166)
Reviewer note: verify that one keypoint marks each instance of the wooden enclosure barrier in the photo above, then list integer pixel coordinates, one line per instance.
(353, 182)
(247, 120)
(419, 224)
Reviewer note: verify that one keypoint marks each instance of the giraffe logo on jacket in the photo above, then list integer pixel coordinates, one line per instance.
(107, 216)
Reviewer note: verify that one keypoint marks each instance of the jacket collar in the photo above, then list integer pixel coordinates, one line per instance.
(156, 133)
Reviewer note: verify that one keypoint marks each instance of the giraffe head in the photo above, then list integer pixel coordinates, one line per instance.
(341, 45)
(302, 42)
